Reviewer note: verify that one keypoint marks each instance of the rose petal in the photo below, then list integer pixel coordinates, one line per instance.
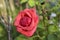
(16, 23)
(36, 20)
(26, 11)
(32, 13)
(26, 33)
(17, 19)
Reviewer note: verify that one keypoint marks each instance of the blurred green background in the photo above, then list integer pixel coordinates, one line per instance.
(47, 10)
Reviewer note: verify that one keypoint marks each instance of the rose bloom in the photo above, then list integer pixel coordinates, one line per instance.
(26, 22)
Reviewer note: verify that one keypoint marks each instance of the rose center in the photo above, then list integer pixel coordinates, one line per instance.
(25, 21)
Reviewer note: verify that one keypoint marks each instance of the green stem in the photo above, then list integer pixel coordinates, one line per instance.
(45, 24)
(8, 20)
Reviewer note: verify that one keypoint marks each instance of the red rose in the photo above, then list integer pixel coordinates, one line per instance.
(26, 22)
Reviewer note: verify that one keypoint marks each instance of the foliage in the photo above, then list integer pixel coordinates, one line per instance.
(49, 19)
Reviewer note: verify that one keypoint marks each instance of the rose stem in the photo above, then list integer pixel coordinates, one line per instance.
(44, 15)
(8, 25)
(37, 31)
(27, 5)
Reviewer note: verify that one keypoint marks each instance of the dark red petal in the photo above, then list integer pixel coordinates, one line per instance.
(29, 27)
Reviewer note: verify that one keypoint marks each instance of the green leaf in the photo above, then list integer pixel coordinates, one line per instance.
(52, 37)
(52, 28)
(37, 2)
(2, 31)
(23, 1)
(58, 34)
(42, 1)
(20, 37)
(31, 3)
(41, 25)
